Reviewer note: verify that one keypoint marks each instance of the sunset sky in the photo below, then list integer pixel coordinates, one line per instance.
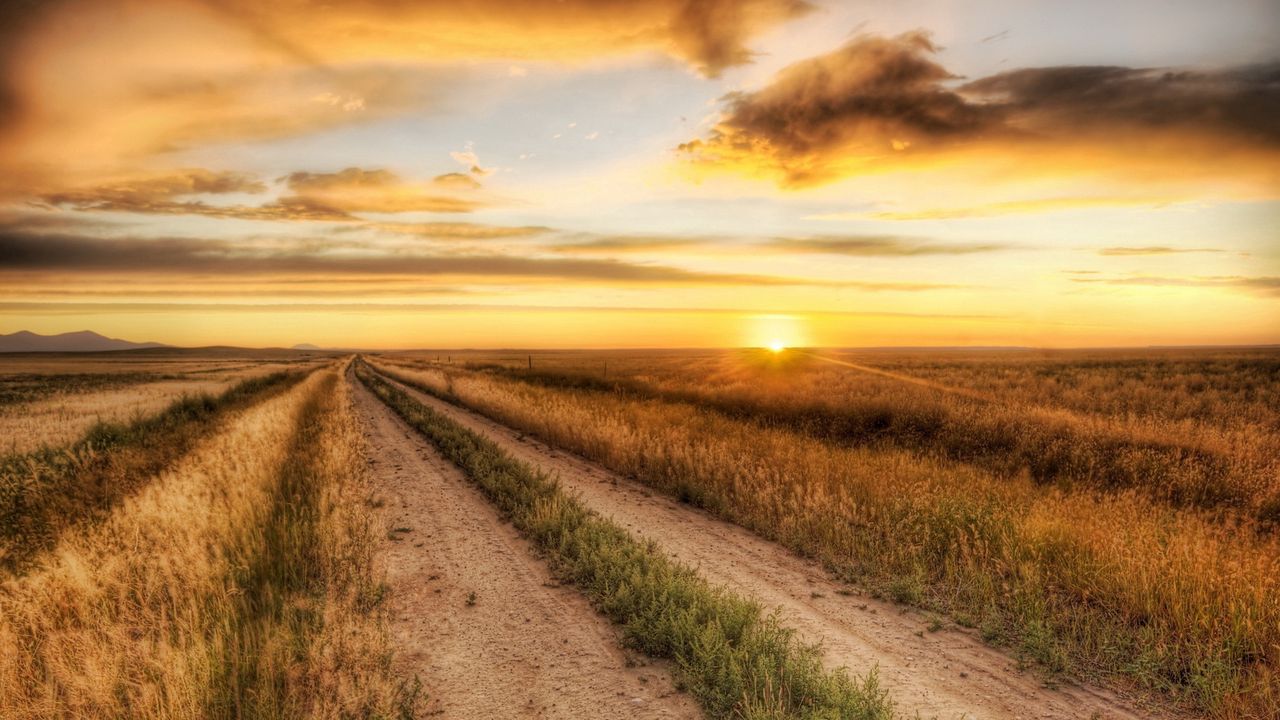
(568, 173)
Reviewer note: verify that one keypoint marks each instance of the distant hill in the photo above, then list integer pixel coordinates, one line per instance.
(305, 346)
(83, 341)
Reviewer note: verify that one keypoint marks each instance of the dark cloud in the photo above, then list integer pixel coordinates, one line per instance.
(26, 253)
(17, 18)
(1241, 104)
(871, 95)
(80, 308)
(884, 102)
(51, 253)
(713, 33)
(1153, 250)
(879, 246)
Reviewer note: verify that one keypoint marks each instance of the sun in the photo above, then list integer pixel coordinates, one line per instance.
(777, 346)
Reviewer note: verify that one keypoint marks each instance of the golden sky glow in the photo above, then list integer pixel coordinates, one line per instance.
(493, 173)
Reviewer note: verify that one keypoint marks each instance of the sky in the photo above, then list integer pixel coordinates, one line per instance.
(671, 173)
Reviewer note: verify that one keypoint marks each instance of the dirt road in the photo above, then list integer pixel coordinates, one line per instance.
(476, 616)
(946, 674)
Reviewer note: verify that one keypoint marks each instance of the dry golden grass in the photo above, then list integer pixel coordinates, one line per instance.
(193, 598)
(1116, 585)
(61, 414)
(1191, 427)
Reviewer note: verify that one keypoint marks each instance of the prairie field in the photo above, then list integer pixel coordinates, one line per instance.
(1106, 514)
(51, 400)
(721, 534)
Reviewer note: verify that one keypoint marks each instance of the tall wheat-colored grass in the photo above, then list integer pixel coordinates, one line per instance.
(171, 606)
(735, 660)
(69, 408)
(1194, 428)
(1115, 585)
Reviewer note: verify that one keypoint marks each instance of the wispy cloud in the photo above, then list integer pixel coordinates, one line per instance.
(1269, 286)
(456, 231)
(354, 190)
(619, 244)
(69, 307)
(998, 209)
(879, 246)
(23, 252)
(1153, 250)
(310, 196)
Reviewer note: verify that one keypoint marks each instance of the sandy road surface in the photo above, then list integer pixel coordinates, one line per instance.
(526, 648)
(947, 674)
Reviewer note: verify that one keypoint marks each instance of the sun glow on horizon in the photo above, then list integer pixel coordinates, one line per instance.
(777, 346)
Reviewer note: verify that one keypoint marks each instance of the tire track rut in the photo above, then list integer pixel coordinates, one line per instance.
(521, 646)
(947, 674)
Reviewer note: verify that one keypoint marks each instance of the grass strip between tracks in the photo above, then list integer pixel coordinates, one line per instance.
(735, 660)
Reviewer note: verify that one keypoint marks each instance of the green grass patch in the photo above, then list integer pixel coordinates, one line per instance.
(735, 660)
(304, 631)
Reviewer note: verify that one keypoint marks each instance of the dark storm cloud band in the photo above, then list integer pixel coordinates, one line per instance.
(22, 252)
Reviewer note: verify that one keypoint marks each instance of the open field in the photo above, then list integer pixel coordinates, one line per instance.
(237, 582)
(1194, 427)
(1134, 548)
(716, 534)
(51, 400)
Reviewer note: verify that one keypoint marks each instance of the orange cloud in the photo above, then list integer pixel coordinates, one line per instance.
(311, 196)
(359, 190)
(710, 35)
(882, 104)
(184, 73)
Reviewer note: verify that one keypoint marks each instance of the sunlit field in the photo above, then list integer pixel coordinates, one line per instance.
(1105, 514)
(1099, 519)
(210, 559)
(639, 360)
(52, 400)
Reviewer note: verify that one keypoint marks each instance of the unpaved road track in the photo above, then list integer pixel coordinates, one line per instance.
(947, 674)
(526, 648)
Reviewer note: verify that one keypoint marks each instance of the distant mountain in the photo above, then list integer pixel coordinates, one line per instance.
(305, 346)
(83, 341)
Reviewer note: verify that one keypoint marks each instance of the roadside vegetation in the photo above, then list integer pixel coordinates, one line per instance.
(1120, 586)
(736, 661)
(44, 492)
(240, 583)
